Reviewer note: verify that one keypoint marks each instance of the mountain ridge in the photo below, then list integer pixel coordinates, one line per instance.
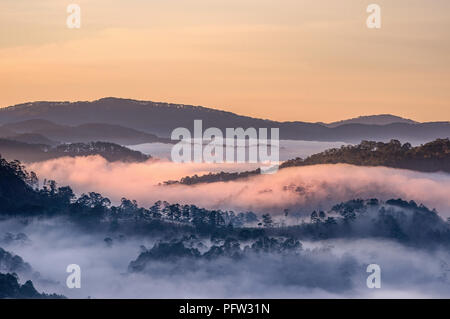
(392, 118)
(41, 129)
(160, 118)
(376, 119)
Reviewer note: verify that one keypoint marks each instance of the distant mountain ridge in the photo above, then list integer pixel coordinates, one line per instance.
(381, 119)
(40, 131)
(162, 118)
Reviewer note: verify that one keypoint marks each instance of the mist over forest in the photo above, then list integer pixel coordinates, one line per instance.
(305, 232)
(223, 155)
(107, 198)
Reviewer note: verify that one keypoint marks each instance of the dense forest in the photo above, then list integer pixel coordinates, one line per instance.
(395, 218)
(189, 238)
(429, 157)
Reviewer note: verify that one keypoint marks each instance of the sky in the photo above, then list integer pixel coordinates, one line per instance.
(305, 60)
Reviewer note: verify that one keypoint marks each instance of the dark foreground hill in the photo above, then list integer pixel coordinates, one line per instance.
(10, 266)
(162, 118)
(10, 288)
(430, 157)
(26, 152)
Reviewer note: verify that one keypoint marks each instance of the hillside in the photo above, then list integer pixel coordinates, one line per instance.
(180, 241)
(161, 118)
(381, 119)
(32, 138)
(395, 219)
(10, 288)
(430, 157)
(26, 152)
(39, 130)
(30, 126)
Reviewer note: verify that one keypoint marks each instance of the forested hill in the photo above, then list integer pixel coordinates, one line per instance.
(25, 152)
(394, 219)
(20, 196)
(430, 157)
(10, 288)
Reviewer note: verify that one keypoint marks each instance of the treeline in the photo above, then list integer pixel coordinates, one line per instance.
(20, 196)
(213, 177)
(394, 219)
(228, 248)
(10, 288)
(40, 152)
(430, 157)
(398, 220)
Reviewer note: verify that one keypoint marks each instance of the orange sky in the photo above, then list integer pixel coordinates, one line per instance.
(308, 60)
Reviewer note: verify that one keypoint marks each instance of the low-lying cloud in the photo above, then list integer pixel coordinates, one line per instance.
(324, 269)
(299, 189)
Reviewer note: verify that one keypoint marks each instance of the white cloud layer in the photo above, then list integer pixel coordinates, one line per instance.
(300, 189)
